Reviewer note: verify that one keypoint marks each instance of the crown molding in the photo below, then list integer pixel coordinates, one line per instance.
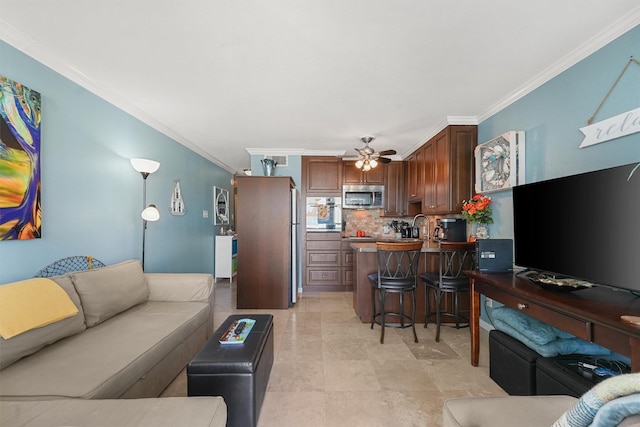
(337, 153)
(596, 42)
(29, 47)
(276, 151)
(447, 121)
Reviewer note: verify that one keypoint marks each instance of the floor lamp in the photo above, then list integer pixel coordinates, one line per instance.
(150, 213)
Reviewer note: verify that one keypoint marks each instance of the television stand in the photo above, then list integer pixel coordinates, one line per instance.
(593, 314)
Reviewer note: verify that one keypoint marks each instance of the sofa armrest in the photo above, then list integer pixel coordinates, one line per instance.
(194, 287)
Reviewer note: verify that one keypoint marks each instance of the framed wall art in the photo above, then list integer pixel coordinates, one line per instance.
(500, 162)
(20, 212)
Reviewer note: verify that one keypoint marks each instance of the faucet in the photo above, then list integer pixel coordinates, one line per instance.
(413, 223)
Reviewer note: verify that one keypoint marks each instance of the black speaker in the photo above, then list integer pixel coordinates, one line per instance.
(494, 255)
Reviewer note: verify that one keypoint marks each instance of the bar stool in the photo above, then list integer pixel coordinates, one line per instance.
(397, 273)
(454, 258)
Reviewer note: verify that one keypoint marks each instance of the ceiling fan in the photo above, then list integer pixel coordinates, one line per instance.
(369, 158)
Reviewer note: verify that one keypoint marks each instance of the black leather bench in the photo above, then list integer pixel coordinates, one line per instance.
(237, 372)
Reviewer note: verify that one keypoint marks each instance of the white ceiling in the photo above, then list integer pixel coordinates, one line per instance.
(226, 78)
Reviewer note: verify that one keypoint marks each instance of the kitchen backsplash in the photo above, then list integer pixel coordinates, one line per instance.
(373, 225)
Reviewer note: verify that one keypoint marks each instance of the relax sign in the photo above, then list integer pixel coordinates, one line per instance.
(611, 128)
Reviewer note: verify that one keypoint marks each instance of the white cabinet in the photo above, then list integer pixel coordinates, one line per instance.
(226, 264)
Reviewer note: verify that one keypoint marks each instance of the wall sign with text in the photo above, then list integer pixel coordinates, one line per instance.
(614, 127)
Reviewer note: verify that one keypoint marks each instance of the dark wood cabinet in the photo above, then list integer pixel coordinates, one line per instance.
(347, 266)
(394, 204)
(323, 267)
(415, 176)
(263, 222)
(322, 175)
(351, 175)
(449, 169)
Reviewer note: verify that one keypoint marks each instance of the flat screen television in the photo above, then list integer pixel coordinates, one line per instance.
(584, 226)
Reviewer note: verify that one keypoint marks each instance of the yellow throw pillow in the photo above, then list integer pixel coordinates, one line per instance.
(32, 303)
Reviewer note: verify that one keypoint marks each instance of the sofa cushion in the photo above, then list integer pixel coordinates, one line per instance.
(104, 361)
(31, 341)
(110, 290)
(507, 411)
(169, 412)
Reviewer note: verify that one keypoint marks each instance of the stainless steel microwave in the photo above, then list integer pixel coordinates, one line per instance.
(363, 196)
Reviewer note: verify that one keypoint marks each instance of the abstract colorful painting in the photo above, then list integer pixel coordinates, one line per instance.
(20, 216)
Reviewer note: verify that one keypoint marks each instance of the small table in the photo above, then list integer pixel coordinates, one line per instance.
(237, 372)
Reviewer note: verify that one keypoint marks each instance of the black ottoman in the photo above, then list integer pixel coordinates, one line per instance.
(237, 372)
(561, 375)
(512, 364)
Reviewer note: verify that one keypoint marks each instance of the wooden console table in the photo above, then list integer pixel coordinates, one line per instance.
(591, 314)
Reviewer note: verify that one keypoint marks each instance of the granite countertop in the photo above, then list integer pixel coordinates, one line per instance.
(428, 245)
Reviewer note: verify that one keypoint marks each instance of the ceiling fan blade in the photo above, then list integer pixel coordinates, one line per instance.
(360, 151)
(387, 152)
(384, 160)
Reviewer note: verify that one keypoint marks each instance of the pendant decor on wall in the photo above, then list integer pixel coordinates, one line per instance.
(618, 126)
(500, 162)
(176, 205)
(20, 214)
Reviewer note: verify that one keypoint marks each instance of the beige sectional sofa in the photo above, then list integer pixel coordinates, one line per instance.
(612, 402)
(133, 334)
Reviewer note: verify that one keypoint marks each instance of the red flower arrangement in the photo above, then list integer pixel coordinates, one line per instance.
(478, 209)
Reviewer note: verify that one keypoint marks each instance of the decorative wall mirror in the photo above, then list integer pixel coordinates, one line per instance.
(220, 206)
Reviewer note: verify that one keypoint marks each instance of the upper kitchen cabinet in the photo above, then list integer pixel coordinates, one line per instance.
(322, 175)
(449, 169)
(394, 204)
(415, 176)
(351, 175)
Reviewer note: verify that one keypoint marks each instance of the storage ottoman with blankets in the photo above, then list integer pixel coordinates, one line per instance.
(529, 357)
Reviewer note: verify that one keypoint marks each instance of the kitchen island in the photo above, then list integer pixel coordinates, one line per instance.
(365, 263)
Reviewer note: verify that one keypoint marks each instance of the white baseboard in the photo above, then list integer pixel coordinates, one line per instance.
(486, 325)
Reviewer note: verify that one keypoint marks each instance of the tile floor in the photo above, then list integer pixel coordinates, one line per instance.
(331, 370)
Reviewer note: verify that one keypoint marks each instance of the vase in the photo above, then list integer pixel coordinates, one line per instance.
(471, 236)
(482, 231)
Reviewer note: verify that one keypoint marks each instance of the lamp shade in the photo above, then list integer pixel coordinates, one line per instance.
(150, 213)
(145, 165)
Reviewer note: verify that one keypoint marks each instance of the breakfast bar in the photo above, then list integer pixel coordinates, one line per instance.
(364, 263)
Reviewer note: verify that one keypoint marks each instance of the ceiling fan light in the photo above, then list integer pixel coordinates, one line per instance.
(367, 166)
(373, 163)
(359, 164)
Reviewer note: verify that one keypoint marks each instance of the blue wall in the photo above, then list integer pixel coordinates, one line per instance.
(553, 114)
(92, 197)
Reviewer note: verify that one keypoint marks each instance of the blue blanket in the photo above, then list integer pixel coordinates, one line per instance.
(546, 340)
